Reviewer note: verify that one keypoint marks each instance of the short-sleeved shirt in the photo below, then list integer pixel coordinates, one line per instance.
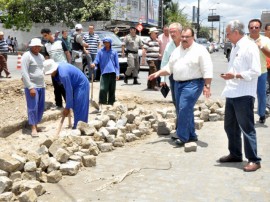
(3, 46)
(56, 50)
(93, 41)
(133, 43)
(265, 41)
(152, 49)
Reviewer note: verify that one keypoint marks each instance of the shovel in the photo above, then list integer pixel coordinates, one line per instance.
(61, 123)
(93, 103)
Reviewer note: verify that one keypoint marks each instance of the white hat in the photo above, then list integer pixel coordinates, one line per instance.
(35, 42)
(153, 29)
(49, 66)
(1, 33)
(78, 26)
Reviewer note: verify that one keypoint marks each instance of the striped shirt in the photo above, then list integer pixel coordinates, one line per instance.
(93, 41)
(3, 46)
(152, 49)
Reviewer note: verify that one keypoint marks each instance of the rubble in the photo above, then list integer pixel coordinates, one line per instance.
(22, 174)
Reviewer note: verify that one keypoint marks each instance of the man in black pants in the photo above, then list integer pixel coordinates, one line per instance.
(57, 50)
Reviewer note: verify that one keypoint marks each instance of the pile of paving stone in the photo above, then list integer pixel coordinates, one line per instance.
(23, 172)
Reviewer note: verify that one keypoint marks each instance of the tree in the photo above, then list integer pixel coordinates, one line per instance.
(204, 33)
(174, 14)
(20, 14)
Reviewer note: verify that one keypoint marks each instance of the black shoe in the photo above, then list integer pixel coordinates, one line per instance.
(125, 79)
(194, 139)
(262, 119)
(135, 82)
(179, 142)
(229, 158)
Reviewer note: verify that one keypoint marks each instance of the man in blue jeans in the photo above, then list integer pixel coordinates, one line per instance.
(192, 69)
(241, 84)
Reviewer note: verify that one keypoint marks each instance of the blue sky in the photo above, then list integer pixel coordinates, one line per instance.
(243, 10)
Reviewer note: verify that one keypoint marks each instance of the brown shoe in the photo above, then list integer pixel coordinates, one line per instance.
(251, 166)
(229, 158)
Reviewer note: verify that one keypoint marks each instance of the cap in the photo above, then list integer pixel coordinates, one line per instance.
(78, 26)
(107, 39)
(1, 33)
(35, 42)
(132, 27)
(57, 31)
(49, 66)
(153, 29)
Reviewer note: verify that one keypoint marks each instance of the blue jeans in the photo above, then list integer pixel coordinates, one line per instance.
(261, 94)
(172, 88)
(186, 95)
(239, 117)
(90, 59)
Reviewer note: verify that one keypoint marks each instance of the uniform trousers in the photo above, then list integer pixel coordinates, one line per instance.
(107, 88)
(35, 105)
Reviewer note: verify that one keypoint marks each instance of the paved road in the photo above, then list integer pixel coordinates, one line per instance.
(164, 172)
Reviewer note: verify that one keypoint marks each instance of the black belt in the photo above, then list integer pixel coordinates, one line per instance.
(189, 80)
(134, 52)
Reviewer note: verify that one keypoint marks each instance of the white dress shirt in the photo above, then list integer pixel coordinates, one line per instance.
(190, 63)
(244, 60)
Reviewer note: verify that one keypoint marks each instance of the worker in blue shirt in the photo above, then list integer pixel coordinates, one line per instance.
(76, 86)
(107, 60)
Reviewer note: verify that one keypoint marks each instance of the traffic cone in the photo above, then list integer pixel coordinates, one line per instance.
(19, 61)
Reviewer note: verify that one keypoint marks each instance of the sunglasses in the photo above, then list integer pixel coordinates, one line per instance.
(254, 27)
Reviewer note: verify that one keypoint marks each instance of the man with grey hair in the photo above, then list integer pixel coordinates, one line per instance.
(175, 30)
(244, 68)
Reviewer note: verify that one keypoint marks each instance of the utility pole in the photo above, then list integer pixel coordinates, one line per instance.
(212, 22)
(198, 19)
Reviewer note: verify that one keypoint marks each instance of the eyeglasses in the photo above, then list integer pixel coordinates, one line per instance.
(254, 27)
(187, 37)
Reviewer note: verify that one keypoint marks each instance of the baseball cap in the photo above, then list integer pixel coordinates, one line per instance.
(78, 26)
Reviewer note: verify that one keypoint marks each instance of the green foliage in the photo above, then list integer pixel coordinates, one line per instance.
(172, 13)
(204, 33)
(20, 14)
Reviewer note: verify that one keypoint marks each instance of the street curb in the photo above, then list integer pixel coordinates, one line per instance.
(20, 124)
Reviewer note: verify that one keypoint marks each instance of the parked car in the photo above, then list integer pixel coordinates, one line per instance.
(116, 45)
(206, 44)
(216, 46)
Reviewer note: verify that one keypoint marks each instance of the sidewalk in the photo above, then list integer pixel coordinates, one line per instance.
(164, 172)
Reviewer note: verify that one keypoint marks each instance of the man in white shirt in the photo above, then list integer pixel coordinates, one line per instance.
(263, 44)
(192, 69)
(241, 84)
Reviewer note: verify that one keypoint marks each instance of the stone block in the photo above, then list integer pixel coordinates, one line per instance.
(105, 147)
(54, 176)
(5, 184)
(3, 173)
(8, 163)
(6, 197)
(70, 168)
(61, 155)
(43, 150)
(34, 185)
(130, 137)
(28, 196)
(89, 161)
(30, 166)
(29, 175)
(191, 147)
(94, 150)
(53, 165)
(213, 117)
(86, 129)
(15, 176)
(198, 124)
(44, 162)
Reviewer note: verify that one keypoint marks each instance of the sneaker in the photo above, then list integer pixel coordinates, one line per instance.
(179, 142)
(262, 119)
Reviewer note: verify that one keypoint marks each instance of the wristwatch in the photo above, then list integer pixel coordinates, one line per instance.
(207, 85)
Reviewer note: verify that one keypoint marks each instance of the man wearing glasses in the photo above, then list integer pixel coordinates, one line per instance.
(263, 44)
(244, 68)
(192, 69)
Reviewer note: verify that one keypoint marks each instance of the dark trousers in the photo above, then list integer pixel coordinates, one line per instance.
(239, 118)
(154, 65)
(59, 91)
(3, 64)
(107, 88)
